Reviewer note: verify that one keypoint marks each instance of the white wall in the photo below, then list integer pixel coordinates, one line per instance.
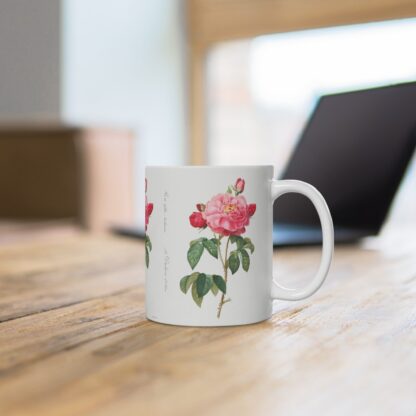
(123, 64)
(29, 59)
(105, 62)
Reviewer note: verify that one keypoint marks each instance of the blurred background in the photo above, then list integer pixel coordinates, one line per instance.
(92, 91)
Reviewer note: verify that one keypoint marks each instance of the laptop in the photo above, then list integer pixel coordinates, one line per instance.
(354, 149)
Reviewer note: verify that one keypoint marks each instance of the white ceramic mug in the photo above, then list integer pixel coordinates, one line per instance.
(208, 244)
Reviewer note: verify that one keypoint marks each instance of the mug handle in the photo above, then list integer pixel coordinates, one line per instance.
(279, 188)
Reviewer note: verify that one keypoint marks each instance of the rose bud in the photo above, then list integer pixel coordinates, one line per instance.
(147, 212)
(200, 207)
(251, 209)
(239, 185)
(149, 208)
(197, 220)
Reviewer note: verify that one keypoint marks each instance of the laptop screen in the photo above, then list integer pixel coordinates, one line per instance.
(354, 149)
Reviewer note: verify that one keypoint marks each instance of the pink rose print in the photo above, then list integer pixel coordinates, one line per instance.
(226, 215)
(239, 185)
(251, 209)
(197, 220)
(200, 207)
(148, 209)
(148, 212)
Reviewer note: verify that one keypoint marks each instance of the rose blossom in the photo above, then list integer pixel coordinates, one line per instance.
(228, 215)
(148, 210)
(251, 209)
(239, 185)
(197, 220)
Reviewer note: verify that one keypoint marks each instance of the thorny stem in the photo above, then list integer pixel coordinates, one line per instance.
(225, 267)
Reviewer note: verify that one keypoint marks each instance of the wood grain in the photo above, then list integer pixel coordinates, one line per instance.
(73, 270)
(350, 349)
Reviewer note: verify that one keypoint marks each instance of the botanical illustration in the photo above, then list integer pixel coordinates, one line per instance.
(148, 209)
(226, 216)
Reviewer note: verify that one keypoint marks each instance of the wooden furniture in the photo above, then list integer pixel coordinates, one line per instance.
(213, 21)
(74, 339)
(55, 171)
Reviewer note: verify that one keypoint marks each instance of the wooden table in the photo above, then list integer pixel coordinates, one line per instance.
(74, 339)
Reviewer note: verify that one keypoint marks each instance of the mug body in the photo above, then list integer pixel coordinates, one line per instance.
(208, 245)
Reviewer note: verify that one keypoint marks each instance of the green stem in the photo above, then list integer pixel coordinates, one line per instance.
(225, 267)
(219, 250)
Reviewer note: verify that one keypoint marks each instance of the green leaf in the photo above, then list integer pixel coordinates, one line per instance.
(245, 260)
(187, 281)
(211, 246)
(148, 243)
(248, 244)
(198, 240)
(198, 300)
(233, 262)
(203, 284)
(220, 283)
(239, 240)
(194, 254)
(214, 289)
(229, 190)
(146, 256)
(191, 280)
(183, 283)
